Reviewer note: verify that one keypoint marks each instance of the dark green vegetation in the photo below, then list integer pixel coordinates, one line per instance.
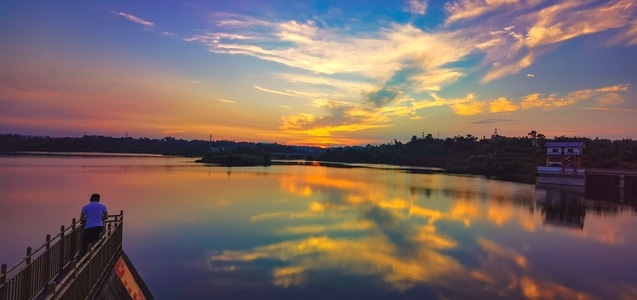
(507, 158)
(165, 146)
(226, 153)
(88, 143)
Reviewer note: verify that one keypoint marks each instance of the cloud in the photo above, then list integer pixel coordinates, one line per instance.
(368, 79)
(417, 7)
(613, 89)
(604, 96)
(568, 20)
(383, 96)
(35, 93)
(226, 101)
(321, 49)
(510, 51)
(468, 106)
(435, 79)
(629, 35)
(134, 19)
(332, 50)
(609, 99)
(469, 9)
(337, 122)
(490, 121)
(502, 105)
(387, 105)
(272, 91)
(319, 86)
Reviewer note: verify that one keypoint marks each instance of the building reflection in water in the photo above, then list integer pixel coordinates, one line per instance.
(567, 206)
(562, 206)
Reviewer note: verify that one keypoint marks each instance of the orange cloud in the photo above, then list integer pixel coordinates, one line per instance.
(502, 105)
(468, 108)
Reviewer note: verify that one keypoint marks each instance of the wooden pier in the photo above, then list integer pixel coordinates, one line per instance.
(55, 271)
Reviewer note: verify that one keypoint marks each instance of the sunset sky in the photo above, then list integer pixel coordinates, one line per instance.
(323, 73)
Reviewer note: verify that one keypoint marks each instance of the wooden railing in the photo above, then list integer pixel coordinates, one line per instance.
(44, 273)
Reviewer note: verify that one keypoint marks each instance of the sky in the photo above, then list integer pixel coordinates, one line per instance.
(319, 73)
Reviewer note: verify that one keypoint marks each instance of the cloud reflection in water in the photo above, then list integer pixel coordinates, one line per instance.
(395, 238)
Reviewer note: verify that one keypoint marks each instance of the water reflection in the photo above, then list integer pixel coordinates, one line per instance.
(198, 232)
(567, 206)
(562, 206)
(399, 242)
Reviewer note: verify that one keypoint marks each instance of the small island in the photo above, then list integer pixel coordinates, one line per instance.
(235, 160)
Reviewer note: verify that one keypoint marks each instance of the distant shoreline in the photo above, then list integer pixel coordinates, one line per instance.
(88, 154)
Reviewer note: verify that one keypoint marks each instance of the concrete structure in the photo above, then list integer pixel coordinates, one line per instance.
(563, 164)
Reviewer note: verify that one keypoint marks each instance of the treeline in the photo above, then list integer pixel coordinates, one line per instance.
(507, 158)
(164, 146)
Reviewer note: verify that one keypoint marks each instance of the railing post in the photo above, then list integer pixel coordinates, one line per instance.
(27, 279)
(73, 237)
(46, 273)
(4, 290)
(61, 242)
(3, 274)
(49, 289)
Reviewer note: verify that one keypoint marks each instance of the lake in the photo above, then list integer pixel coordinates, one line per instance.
(312, 232)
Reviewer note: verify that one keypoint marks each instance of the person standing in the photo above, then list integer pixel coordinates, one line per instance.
(93, 216)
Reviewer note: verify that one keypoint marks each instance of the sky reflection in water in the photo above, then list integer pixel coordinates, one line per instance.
(197, 232)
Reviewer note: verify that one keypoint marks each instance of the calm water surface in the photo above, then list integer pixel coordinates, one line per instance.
(311, 232)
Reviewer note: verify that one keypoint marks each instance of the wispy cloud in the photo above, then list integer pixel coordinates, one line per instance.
(470, 9)
(491, 121)
(369, 79)
(418, 7)
(378, 56)
(273, 91)
(36, 93)
(604, 96)
(326, 50)
(226, 101)
(510, 50)
(134, 19)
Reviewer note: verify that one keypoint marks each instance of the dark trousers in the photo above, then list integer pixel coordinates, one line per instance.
(90, 236)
